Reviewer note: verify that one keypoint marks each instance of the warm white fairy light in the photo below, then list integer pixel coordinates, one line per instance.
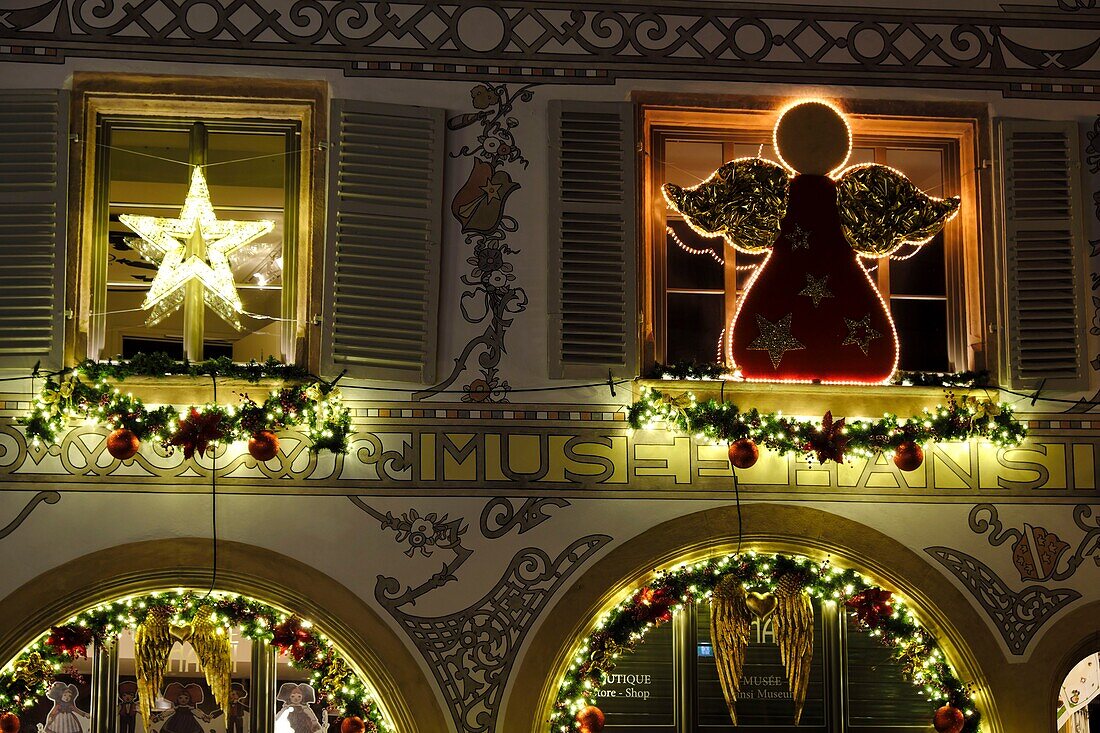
(194, 246)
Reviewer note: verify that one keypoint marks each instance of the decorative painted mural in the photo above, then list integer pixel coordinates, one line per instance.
(576, 42)
(471, 651)
(492, 297)
(1039, 557)
(542, 450)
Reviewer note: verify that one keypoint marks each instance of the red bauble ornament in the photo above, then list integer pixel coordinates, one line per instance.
(948, 719)
(590, 719)
(123, 444)
(908, 456)
(352, 724)
(263, 446)
(744, 453)
(9, 723)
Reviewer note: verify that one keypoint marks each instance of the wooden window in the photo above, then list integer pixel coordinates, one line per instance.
(259, 148)
(692, 283)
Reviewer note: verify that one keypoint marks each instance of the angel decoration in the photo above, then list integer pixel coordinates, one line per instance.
(811, 313)
(792, 614)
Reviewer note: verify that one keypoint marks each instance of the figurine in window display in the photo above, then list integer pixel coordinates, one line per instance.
(185, 715)
(237, 708)
(811, 312)
(127, 706)
(65, 716)
(296, 715)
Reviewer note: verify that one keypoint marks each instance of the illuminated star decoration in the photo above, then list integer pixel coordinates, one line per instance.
(775, 338)
(860, 333)
(799, 238)
(816, 289)
(194, 246)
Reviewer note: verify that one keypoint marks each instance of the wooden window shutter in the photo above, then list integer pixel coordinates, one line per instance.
(383, 240)
(1045, 254)
(593, 312)
(34, 180)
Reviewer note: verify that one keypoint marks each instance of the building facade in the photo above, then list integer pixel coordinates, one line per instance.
(467, 238)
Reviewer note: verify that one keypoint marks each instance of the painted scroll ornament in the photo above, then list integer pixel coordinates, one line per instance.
(811, 312)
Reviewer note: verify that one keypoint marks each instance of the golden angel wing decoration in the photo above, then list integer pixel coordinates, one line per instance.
(215, 652)
(880, 210)
(730, 622)
(743, 201)
(793, 623)
(152, 646)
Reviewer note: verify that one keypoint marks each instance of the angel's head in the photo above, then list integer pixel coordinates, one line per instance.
(812, 137)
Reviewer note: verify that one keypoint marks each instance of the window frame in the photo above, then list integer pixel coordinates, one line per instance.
(98, 96)
(834, 644)
(959, 126)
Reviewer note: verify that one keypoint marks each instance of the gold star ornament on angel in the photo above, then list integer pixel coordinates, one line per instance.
(811, 313)
(193, 247)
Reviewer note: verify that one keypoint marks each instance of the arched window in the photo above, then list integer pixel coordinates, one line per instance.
(1079, 698)
(650, 665)
(225, 662)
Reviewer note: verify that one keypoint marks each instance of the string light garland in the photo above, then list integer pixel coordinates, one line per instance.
(26, 678)
(883, 614)
(87, 395)
(723, 423)
(714, 371)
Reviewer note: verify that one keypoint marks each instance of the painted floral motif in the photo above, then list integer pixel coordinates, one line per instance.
(492, 296)
(421, 533)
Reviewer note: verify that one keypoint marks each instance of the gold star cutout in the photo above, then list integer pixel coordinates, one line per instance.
(860, 333)
(194, 246)
(799, 238)
(775, 338)
(492, 191)
(815, 289)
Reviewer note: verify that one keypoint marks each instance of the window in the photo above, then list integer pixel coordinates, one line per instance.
(694, 282)
(241, 292)
(670, 683)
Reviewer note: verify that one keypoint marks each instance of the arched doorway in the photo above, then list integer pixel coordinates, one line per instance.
(963, 637)
(279, 588)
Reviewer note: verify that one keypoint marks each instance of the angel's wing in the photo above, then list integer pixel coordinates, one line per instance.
(730, 622)
(215, 653)
(793, 623)
(880, 210)
(743, 201)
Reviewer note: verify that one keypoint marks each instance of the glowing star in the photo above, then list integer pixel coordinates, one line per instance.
(816, 289)
(799, 238)
(194, 246)
(860, 333)
(775, 338)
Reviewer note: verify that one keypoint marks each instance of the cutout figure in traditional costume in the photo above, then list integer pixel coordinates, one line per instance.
(65, 716)
(237, 708)
(127, 706)
(811, 312)
(296, 715)
(185, 715)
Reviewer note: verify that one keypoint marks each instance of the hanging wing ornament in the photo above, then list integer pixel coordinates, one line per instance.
(881, 210)
(743, 201)
(730, 622)
(793, 622)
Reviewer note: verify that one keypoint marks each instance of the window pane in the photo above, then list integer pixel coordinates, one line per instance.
(639, 694)
(246, 176)
(861, 155)
(877, 692)
(693, 260)
(688, 163)
(695, 322)
(297, 709)
(765, 699)
(762, 149)
(66, 705)
(922, 331)
(924, 273)
(185, 704)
